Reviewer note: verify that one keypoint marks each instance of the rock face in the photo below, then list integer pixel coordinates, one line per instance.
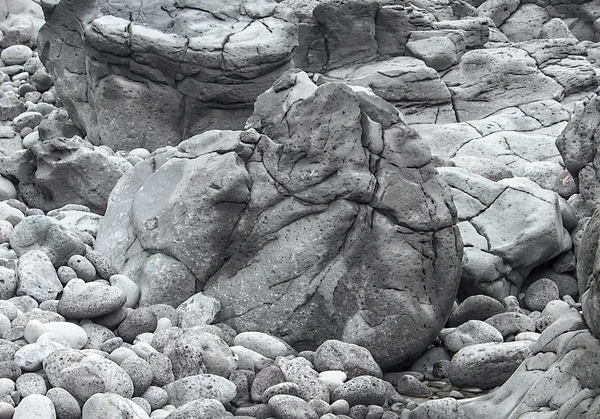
(578, 145)
(508, 228)
(587, 274)
(146, 76)
(325, 213)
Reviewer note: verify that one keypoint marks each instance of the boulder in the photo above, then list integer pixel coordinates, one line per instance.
(499, 223)
(152, 76)
(274, 222)
(62, 171)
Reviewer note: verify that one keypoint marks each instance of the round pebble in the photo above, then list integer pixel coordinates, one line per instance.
(82, 267)
(7, 189)
(140, 373)
(16, 55)
(364, 389)
(139, 321)
(7, 410)
(540, 293)
(35, 406)
(65, 404)
(30, 383)
(156, 396)
(340, 407)
(130, 288)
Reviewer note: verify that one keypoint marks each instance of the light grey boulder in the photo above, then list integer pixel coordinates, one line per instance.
(201, 386)
(487, 365)
(470, 333)
(37, 277)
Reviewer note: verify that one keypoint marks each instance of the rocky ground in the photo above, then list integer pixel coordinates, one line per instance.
(299, 209)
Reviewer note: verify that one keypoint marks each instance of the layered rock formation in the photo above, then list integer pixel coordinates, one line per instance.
(325, 219)
(134, 75)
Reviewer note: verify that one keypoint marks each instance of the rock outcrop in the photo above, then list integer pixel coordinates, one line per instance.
(134, 75)
(324, 219)
(578, 145)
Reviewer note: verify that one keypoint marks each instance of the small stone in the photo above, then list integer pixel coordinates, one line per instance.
(204, 408)
(30, 357)
(264, 344)
(197, 310)
(75, 336)
(82, 267)
(156, 396)
(365, 390)
(16, 55)
(8, 283)
(471, 333)
(139, 321)
(92, 299)
(410, 386)
(140, 373)
(10, 370)
(130, 288)
(7, 410)
(37, 277)
(476, 307)
(352, 359)
(65, 404)
(340, 407)
(201, 386)
(540, 293)
(35, 406)
(27, 120)
(109, 405)
(29, 384)
(511, 323)
(7, 189)
(65, 274)
(103, 265)
(333, 379)
(41, 80)
(291, 407)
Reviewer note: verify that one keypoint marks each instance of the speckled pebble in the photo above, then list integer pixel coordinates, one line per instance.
(291, 407)
(138, 321)
(83, 268)
(140, 373)
(65, 404)
(31, 383)
(156, 396)
(364, 389)
(92, 299)
(6, 229)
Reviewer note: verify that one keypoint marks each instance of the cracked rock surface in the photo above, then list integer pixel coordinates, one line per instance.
(297, 226)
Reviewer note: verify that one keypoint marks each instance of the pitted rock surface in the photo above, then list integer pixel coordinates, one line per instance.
(296, 214)
(149, 74)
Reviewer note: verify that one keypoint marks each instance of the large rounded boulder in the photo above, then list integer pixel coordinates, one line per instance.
(324, 219)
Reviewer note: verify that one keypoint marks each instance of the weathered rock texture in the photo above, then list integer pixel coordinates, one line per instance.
(325, 219)
(508, 228)
(578, 145)
(62, 171)
(588, 275)
(558, 380)
(147, 75)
